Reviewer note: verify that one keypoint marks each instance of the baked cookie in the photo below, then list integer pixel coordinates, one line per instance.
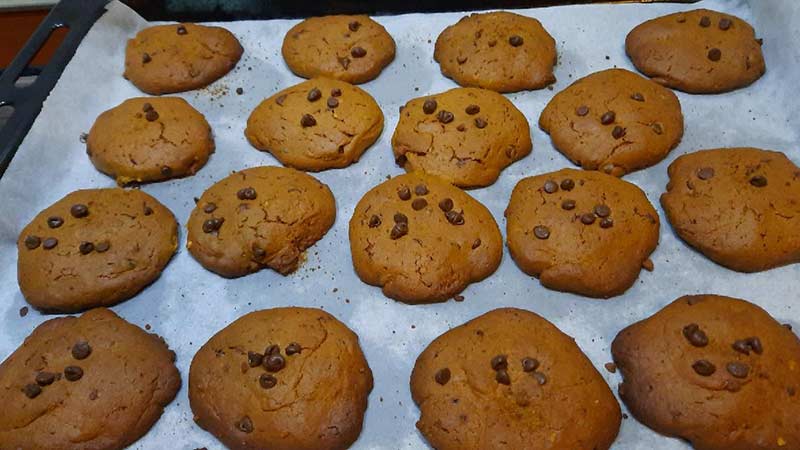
(581, 231)
(89, 382)
(94, 247)
(501, 51)
(738, 206)
(259, 217)
(698, 51)
(615, 121)
(465, 135)
(511, 379)
(316, 125)
(180, 57)
(150, 139)
(354, 49)
(716, 371)
(283, 378)
(422, 239)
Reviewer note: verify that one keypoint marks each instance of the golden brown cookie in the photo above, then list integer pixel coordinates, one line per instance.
(465, 135)
(422, 239)
(511, 379)
(581, 231)
(89, 382)
(738, 206)
(501, 51)
(699, 51)
(180, 57)
(283, 379)
(316, 125)
(259, 217)
(615, 121)
(354, 49)
(716, 371)
(94, 247)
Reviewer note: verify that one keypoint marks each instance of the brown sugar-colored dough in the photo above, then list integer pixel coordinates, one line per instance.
(699, 51)
(581, 231)
(511, 379)
(501, 51)
(422, 239)
(316, 125)
(615, 121)
(465, 135)
(150, 139)
(163, 59)
(354, 49)
(124, 379)
(716, 371)
(282, 379)
(259, 217)
(94, 247)
(738, 206)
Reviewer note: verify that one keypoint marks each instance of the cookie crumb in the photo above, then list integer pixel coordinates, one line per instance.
(23, 311)
(611, 367)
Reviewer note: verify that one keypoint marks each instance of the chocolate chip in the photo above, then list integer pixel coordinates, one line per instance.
(540, 378)
(446, 204)
(280, 99)
(102, 246)
(247, 193)
(344, 62)
(725, 23)
(461, 127)
(374, 221)
(181, 30)
(86, 247)
(530, 364)
(210, 208)
(608, 117)
(239, 91)
(400, 218)
(307, 121)
(273, 349)
(146, 107)
(293, 348)
(568, 204)
(32, 390)
(245, 425)
(602, 210)
(550, 186)
(758, 181)
(146, 58)
(481, 123)
(404, 193)
(358, 52)
(442, 376)
(714, 54)
(274, 363)
(606, 222)
(399, 230)
(32, 242)
(267, 381)
(587, 218)
(515, 40)
(335, 92)
(81, 350)
(704, 367)
(151, 115)
(499, 362)
(455, 218)
(472, 110)
(354, 25)
(419, 203)
(79, 211)
(501, 376)
(695, 335)
(582, 110)
(332, 102)
(476, 243)
(49, 243)
(45, 378)
(421, 189)
(541, 232)
(637, 96)
(737, 369)
(314, 95)
(254, 359)
(429, 106)
(445, 116)
(73, 373)
(54, 221)
(705, 173)
(213, 224)
(705, 22)
(745, 345)
(755, 344)
(617, 132)
(567, 184)
(147, 210)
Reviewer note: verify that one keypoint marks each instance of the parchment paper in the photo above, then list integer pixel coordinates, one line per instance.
(189, 304)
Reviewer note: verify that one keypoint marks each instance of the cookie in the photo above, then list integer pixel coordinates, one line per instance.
(94, 247)
(354, 49)
(465, 135)
(150, 139)
(501, 51)
(581, 231)
(316, 125)
(259, 217)
(716, 371)
(615, 121)
(422, 239)
(163, 59)
(88, 382)
(699, 51)
(737, 206)
(283, 378)
(511, 379)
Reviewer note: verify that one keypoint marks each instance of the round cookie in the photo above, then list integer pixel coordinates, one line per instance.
(422, 239)
(94, 247)
(737, 206)
(501, 51)
(511, 379)
(283, 379)
(716, 371)
(615, 121)
(699, 51)
(465, 135)
(89, 382)
(259, 217)
(581, 231)
(163, 59)
(150, 139)
(316, 125)
(354, 49)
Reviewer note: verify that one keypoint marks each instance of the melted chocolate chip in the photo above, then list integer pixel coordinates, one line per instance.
(45, 378)
(704, 367)
(307, 121)
(32, 390)
(336, 92)
(404, 193)
(695, 335)
(540, 378)
(419, 203)
(748, 344)
(400, 218)
(81, 350)
(73, 373)
(472, 110)
(421, 189)
(550, 186)
(102, 246)
(608, 117)
(758, 181)
(86, 247)
(568, 204)
(79, 211)
(213, 224)
(737, 369)
(247, 193)
(314, 95)
(147, 210)
(602, 210)
(49, 243)
(481, 123)
(399, 230)
(714, 54)
(442, 376)
(501, 376)
(429, 106)
(705, 173)
(274, 363)
(705, 22)
(358, 52)
(332, 103)
(272, 349)
(151, 115)
(32, 242)
(529, 364)
(293, 348)
(254, 359)
(587, 218)
(455, 218)
(210, 208)
(267, 381)
(617, 132)
(445, 116)
(515, 40)
(567, 184)
(446, 204)
(606, 222)
(582, 110)
(476, 243)
(499, 362)
(354, 25)
(725, 23)
(541, 232)
(146, 58)
(54, 221)
(181, 30)
(374, 221)
(245, 425)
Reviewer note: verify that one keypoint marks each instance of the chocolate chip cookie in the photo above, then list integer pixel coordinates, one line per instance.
(716, 371)
(316, 125)
(738, 206)
(283, 378)
(259, 217)
(699, 51)
(501, 51)
(465, 135)
(511, 379)
(89, 382)
(180, 57)
(422, 239)
(94, 247)
(615, 121)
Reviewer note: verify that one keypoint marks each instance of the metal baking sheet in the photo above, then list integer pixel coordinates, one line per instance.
(188, 304)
